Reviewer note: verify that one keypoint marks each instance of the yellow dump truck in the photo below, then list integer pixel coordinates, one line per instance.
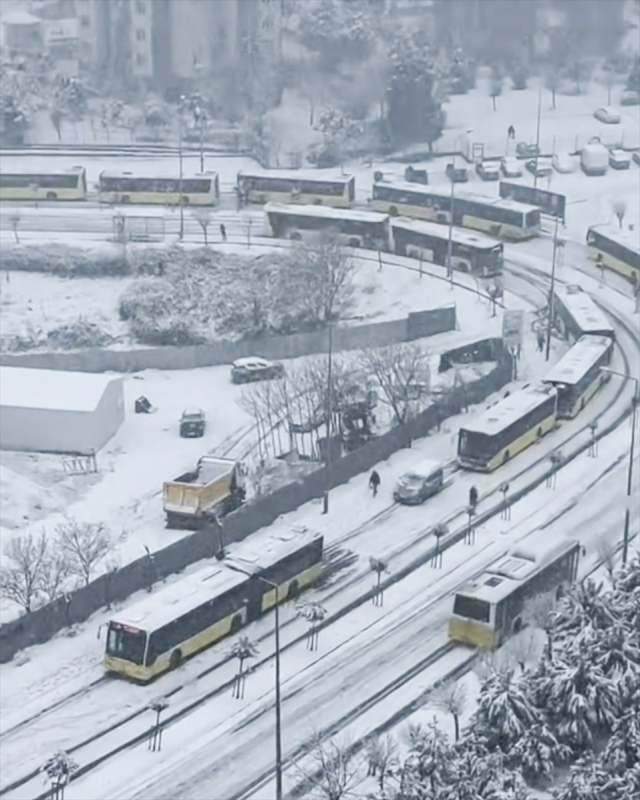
(216, 486)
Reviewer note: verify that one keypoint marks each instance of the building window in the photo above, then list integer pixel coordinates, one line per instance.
(141, 59)
(141, 35)
(141, 7)
(85, 21)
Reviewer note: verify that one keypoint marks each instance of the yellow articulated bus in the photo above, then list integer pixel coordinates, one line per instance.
(578, 375)
(504, 219)
(617, 250)
(297, 186)
(493, 607)
(177, 621)
(507, 427)
(202, 189)
(63, 184)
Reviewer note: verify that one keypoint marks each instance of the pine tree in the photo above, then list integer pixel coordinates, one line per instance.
(537, 752)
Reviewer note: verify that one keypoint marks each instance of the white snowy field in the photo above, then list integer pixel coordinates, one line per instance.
(207, 753)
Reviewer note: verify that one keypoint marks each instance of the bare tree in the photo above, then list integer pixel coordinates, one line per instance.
(314, 613)
(247, 223)
(452, 698)
(15, 224)
(84, 545)
(619, 209)
(203, 215)
(334, 771)
(243, 650)
(402, 371)
(495, 85)
(382, 758)
(21, 581)
(55, 570)
(552, 81)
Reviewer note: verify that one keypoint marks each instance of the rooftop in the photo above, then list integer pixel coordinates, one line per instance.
(460, 194)
(575, 364)
(297, 175)
(506, 411)
(259, 552)
(470, 238)
(326, 212)
(582, 308)
(51, 389)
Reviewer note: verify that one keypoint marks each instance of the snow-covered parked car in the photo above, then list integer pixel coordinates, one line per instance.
(488, 170)
(636, 157)
(630, 98)
(511, 168)
(192, 423)
(618, 159)
(563, 162)
(419, 484)
(607, 115)
(253, 368)
(540, 167)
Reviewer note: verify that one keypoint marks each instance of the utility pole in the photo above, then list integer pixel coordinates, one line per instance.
(535, 174)
(553, 279)
(180, 200)
(450, 238)
(325, 499)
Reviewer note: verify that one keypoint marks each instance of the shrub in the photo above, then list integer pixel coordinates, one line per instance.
(146, 300)
(78, 334)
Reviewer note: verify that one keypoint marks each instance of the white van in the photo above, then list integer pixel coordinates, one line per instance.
(420, 483)
(594, 159)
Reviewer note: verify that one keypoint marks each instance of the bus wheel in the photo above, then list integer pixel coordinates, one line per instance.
(184, 201)
(295, 237)
(125, 198)
(517, 625)
(293, 591)
(52, 196)
(539, 433)
(393, 211)
(176, 659)
(506, 457)
(236, 623)
(353, 242)
(560, 592)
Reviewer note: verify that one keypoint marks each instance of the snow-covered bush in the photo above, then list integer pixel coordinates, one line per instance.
(77, 334)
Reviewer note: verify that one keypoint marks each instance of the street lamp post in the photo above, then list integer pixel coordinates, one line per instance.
(535, 172)
(325, 498)
(553, 280)
(625, 541)
(451, 209)
(180, 199)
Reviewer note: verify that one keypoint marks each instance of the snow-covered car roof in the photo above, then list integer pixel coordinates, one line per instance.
(251, 362)
(424, 469)
(193, 412)
(490, 165)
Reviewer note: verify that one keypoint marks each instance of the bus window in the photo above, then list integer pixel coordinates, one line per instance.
(532, 219)
(471, 608)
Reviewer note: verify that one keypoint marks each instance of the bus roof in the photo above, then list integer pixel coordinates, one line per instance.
(630, 239)
(114, 173)
(326, 212)
(471, 239)
(505, 412)
(505, 574)
(582, 308)
(63, 171)
(575, 364)
(181, 597)
(296, 175)
(253, 556)
(459, 195)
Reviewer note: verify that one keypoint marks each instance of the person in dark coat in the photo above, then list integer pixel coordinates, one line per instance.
(374, 482)
(540, 339)
(223, 232)
(473, 497)
(511, 132)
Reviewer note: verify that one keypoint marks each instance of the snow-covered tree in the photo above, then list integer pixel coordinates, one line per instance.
(622, 752)
(337, 31)
(58, 770)
(537, 752)
(332, 770)
(584, 604)
(452, 698)
(21, 578)
(425, 770)
(83, 545)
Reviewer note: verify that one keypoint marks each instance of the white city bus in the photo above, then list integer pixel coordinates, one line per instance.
(297, 186)
(576, 314)
(63, 184)
(124, 187)
(617, 250)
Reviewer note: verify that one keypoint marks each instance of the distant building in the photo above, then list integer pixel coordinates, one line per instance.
(21, 32)
(51, 411)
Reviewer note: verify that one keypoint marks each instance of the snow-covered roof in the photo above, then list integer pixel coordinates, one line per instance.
(584, 311)
(508, 410)
(297, 175)
(626, 238)
(112, 173)
(37, 173)
(575, 364)
(424, 468)
(179, 598)
(459, 194)
(506, 574)
(459, 236)
(260, 552)
(51, 389)
(251, 362)
(326, 212)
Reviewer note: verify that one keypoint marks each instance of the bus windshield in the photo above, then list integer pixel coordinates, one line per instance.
(471, 608)
(475, 444)
(126, 643)
(491, 259)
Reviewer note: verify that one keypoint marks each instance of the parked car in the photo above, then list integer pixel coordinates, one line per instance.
(416, 486)
(607, 115)
(630, 98)
(636, 157)
(457, 174)
(563, 162)
(511, 168)
(192, 423)
(488, 170)
(254, 368)
(618, 159)
(524, 150)
(541, 167)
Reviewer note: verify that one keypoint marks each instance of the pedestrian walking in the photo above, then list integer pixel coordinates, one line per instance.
(223, 232)
(540, 340)
(473, 497)
(511, 132)
(374, 482)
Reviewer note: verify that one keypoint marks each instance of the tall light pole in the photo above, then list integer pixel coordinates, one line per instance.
(273, 586)
(325, 498)
(625, 540)
(180, 199)
(535, 174)
(553, 280)
(452, 203)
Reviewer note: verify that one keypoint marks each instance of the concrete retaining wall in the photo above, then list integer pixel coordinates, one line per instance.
(45, 622)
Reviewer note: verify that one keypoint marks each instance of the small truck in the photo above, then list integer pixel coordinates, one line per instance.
(216, 486)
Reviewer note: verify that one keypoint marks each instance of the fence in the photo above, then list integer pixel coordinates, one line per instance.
(416, 325)
(78, 606)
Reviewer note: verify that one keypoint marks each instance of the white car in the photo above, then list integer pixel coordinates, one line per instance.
(563, 162)
(245, 370)
(618, 159)
(607, 115)
(511, 168)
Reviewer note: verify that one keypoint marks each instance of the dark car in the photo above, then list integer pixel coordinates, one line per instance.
(419, 484)
(524, 150)
(488, 170)
(192, 423)
(540, 167)
(457, 174)
(636, 158)
(253, 368)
